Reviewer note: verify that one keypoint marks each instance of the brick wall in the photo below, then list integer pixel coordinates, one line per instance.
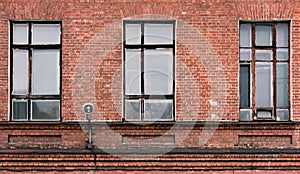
(207, 77)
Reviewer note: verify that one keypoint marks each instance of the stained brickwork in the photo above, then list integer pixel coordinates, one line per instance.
(206, 136)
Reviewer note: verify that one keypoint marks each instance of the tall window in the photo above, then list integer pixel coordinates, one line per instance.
(149, 49)
(264, 71)
(35, 51)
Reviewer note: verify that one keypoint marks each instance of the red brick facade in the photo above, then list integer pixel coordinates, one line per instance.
(206, 136)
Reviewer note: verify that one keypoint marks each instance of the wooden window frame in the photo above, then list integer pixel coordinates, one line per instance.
(274, 61)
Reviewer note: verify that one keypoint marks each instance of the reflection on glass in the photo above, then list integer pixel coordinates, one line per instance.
(20, 72)
(133, 72)
(19, 111)
(263, 82)
(264, 114)
(159, 34)
(158, 109)
(132, 109)
(45, 110)
(245, 54)
(282, 115)
(263, 54)
(46, 33)
(263, 35)
(245, 114)
(133, 33)
(282, 54)
(45, 72)
(282, 35)
(282, 84)
(245, 35)
(20, 33)
(158, 66)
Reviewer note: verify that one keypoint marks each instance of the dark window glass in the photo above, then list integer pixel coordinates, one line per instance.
(245, 85)
(19, 109)
(42, 110)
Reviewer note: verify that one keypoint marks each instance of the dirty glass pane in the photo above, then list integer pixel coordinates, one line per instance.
(20, 72)
(159, 34)
(132, 109)
(132, 72)
(20, 33)
(245, 35)
(158, 66)
(282, 84)
(282, 54)
(244, 85)
(158, 109)
(263, 35)
(45, 110)
(282, 115)
(133, 33)
(263, 83)
(245, 54)
(263, 54)
(19, 111)
(245, 114)
(282, 35)
(264, 114)
(45, 72)
(46, 33)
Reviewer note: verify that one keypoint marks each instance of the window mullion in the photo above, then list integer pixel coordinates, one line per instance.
(29, 71)
(274, 71)
(252, 88)
(29, 82)
(142, 71)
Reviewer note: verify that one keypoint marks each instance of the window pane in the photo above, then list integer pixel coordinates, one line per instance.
(263, 35)
(20, 33)
(282, 54)
(158, 72)
(245, 86)
(263, 84)
(19, 111)
(46, 34)
(158, 109)
(133, 72)
(45, 110)
(245, 54)
(282, 84)
(20, 72)
(264, 114)
(132, 109)
(263, 54)
(245, 35)
(282, 115)
(133, 33)
(282, 35)
(245, 114)
(158, 33)
(45, 72)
